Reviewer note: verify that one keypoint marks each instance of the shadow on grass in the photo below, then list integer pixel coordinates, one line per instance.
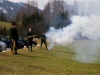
(31, 56)
(78, 53)
(4, 55)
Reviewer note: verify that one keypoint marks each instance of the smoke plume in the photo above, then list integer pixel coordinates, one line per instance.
(88, 25)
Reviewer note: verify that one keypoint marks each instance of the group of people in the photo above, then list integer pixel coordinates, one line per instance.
(14, 37)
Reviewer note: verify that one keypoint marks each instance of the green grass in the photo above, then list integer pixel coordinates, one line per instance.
(5, 24)
(57, 61)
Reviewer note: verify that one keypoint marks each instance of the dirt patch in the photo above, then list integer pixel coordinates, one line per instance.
(4, 55)
(3, 68)
(37, 67)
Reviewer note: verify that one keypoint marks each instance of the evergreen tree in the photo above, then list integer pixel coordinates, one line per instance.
(56, 14)
(75, 8)
(3, 17)
(4, 31)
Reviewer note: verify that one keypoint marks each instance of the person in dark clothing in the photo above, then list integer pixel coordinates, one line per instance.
(43, 40)
(14, 37)
(30, 38)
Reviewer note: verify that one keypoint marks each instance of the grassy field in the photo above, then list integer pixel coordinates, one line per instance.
(58, 61)
(5, 24)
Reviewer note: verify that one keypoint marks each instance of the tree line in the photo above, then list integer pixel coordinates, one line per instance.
(3, 17)
(56, 13)
(3, 30)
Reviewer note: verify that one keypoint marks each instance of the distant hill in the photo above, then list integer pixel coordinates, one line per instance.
(5, 24)
(10, 8)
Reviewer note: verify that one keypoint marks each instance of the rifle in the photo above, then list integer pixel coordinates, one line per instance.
(30, 36)
(13, 47)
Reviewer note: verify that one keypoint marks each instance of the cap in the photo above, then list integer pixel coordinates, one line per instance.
(13, 23)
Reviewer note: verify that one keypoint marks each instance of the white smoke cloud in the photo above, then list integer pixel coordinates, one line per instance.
(88, 26)
(87, 51)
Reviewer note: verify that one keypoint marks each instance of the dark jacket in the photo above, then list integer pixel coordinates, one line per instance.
(29, 34)
(43, 37)
(13, 33)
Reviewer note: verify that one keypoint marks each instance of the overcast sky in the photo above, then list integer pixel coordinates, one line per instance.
(41, 3)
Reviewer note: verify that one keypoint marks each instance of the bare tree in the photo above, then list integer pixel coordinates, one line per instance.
(56, 13)
(32, 6)
(47, 14)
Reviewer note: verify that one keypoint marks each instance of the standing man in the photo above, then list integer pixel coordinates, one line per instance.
(43, 40)
(30, 38)
(14, 37)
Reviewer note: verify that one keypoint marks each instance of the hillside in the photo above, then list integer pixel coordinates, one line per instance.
(10, 9)
(5, 24)
(58, 61)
